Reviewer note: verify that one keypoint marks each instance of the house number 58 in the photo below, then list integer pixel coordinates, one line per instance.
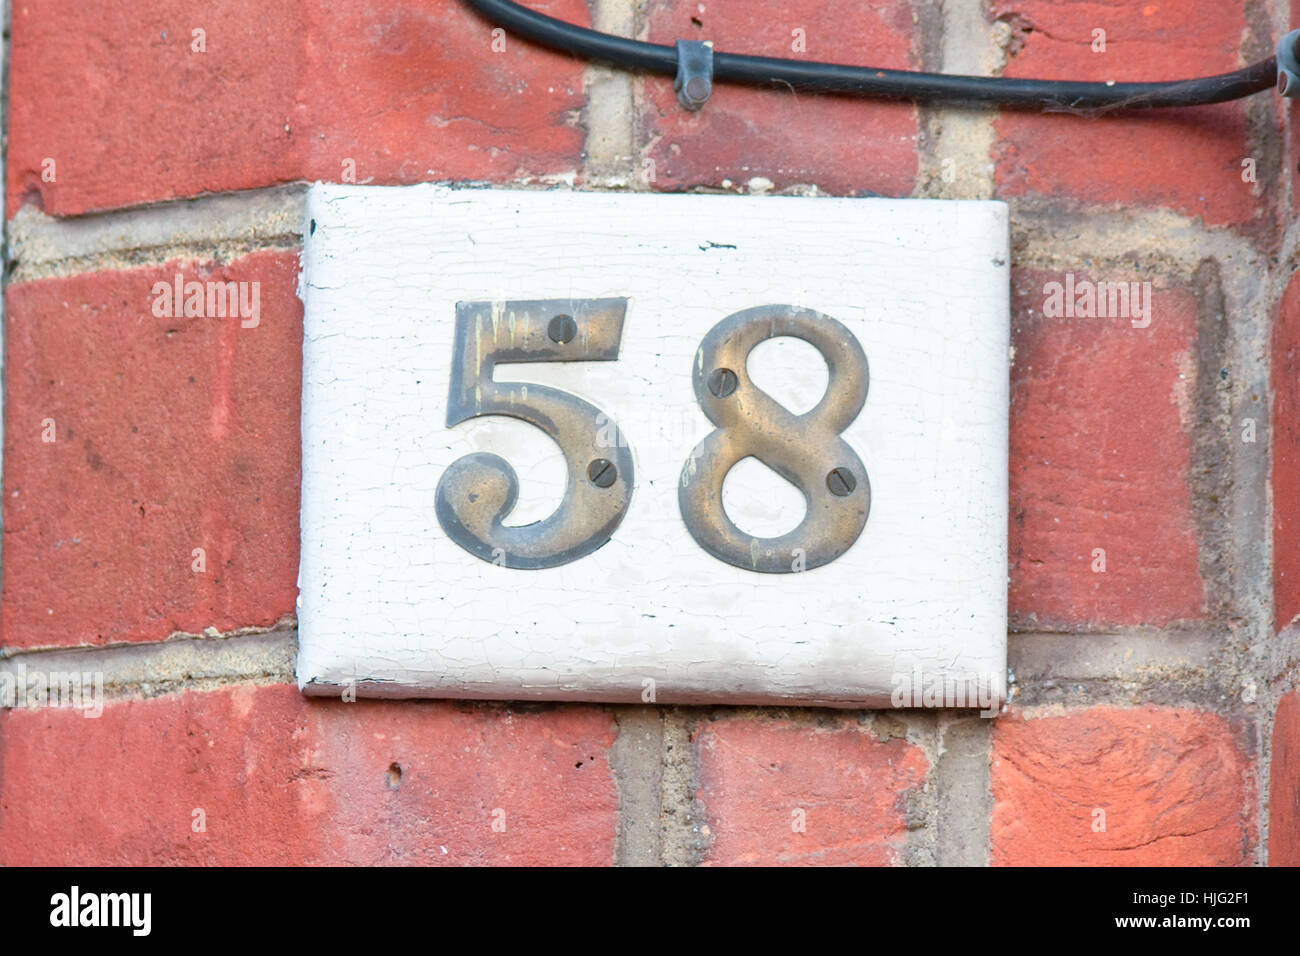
(478, 491)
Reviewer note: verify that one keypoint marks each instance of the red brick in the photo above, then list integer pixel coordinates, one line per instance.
(171, 434)
(1175, 786)
(113, 94)
(1284, 786)
(1113, 160)
(284, 780)
(410, 91)
(843, 145)
(1100, 458)
(1286, 458)
(413, 92)
(852, 787)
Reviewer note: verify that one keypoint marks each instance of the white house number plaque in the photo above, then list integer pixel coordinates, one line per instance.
(653, 448)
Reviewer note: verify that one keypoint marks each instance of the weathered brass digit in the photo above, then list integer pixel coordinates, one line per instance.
(478, 491)
(806, 450)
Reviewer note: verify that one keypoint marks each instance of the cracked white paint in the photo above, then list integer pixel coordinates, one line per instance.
(389, 602)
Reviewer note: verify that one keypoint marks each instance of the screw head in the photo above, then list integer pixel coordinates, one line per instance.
(602, 473)
(562, 329)
(722, 382)
(841, 482)
(698, 88)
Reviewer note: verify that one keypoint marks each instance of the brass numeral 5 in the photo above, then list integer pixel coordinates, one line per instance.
(476, 492)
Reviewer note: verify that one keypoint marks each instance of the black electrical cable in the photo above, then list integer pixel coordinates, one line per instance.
(888, 84)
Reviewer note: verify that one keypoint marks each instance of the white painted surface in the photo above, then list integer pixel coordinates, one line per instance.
(389, 602)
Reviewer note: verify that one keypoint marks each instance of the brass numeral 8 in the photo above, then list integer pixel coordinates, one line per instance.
(806, 450)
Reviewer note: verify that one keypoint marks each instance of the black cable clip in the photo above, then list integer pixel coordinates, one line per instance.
(694, 80)
(1288, 66)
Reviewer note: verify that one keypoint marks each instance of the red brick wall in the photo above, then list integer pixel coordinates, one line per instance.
(1155, 718)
